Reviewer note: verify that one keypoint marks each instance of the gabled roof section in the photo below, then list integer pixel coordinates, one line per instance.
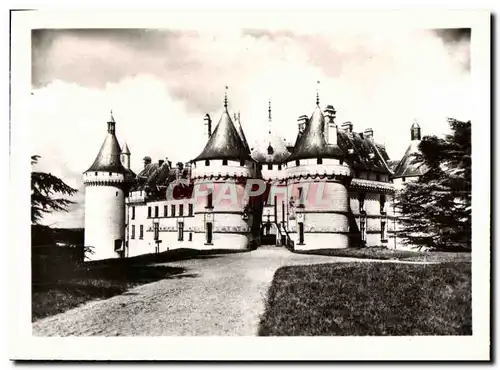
(405, 167)
(312, 143)
(225, 142)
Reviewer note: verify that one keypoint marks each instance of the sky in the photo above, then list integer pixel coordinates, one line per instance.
(161, 83)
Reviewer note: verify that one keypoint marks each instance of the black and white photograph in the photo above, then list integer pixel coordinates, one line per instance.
(211, 180)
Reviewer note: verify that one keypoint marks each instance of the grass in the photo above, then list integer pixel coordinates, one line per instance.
(369, 299)
(380, 253)
(59, 285)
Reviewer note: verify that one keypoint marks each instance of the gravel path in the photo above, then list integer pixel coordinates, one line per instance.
(216, 295)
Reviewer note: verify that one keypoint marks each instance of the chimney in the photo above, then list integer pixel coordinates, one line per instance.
(330, 126)
(302, 122)
(178, 170)
(415, 132)
(368, 134)
(347, 126)
(208, 122)
(147, 160)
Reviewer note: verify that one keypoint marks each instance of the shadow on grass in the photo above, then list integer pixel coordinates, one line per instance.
(369, 298)
(65, 288)
(380, 253)
(59, 285)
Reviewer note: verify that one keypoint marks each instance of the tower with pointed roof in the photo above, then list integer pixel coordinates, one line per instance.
(271, 153)
(224, 216)
(318, 177)
(106, 182)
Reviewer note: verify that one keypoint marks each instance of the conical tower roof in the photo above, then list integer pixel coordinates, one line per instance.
(272, 149)
(312, 142)
(239, 128)
(225, 141)
(108, 158)
(125, 149)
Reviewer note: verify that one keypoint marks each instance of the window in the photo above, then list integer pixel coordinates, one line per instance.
(111, 174)
(403, 179)
(362, 225)
(242, 163)
(382, 204)
(181, 231)
(190, 209)
(157, 211)
(156, 231)
(260, 167)
(95, 173)
(341, 162)
(383, 230)
(207, 162)
(181, 209)
(149, 212)
(141, 231)
(269, 166)
(116, 194)
(301, 196)
(132, 211)
(297, 162)
(165, 211)
(279, 167)
(377, 177)
(319, 161)
(172, 210)
(209, 200)
(362, 202)
(301, 233)
(132, 232)
(224, 162)
(208, 233)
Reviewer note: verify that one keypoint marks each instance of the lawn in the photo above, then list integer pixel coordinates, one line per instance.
(59, 284)
(369, 298)
(393, 254)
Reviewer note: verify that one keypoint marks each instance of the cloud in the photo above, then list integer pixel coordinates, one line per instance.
(161, 83)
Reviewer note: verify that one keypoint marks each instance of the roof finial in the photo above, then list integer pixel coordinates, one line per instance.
(317, 93)
(112, 119)
(225, 98)
(269, 110)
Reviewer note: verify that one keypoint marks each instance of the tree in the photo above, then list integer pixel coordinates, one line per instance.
(436, 209)
(44, 186)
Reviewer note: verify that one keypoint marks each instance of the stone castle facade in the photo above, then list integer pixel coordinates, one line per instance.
(332, 188)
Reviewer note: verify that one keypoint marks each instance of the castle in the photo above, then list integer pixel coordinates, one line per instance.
(332, 188)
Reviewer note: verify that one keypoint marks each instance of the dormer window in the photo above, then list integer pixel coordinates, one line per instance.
(319, 161)
(269, 166)
(270, 150)
(297, 162)
(207, 162)
(279, 167)
(224, 162)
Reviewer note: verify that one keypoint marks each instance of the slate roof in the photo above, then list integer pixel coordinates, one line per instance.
(225, 142)
(108, 159)
(272, 149)
(405, 167)
(312, 143)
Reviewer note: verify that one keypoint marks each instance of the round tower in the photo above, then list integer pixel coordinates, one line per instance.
(224, 216)
(106, 184)
(318, 178)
